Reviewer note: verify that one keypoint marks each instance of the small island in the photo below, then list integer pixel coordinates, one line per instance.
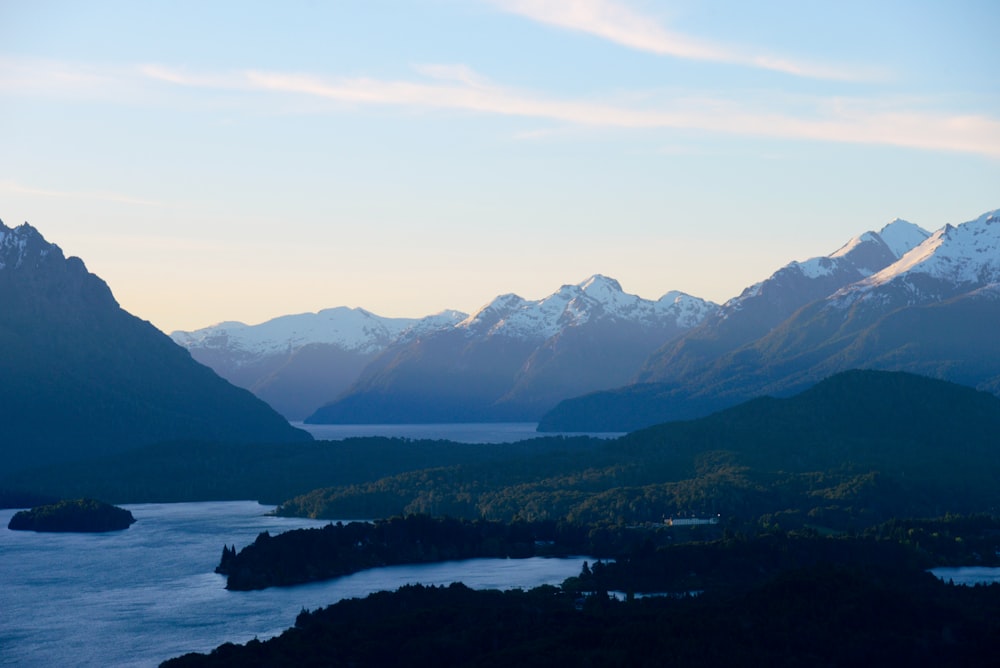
(79, 515)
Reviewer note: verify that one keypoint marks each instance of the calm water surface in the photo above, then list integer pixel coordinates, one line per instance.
(146, 594)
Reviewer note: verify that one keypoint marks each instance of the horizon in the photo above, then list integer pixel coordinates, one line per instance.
(240, 162)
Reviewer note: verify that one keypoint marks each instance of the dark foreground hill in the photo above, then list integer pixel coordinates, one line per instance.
(80, 376)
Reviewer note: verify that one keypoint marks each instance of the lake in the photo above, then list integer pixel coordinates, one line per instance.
(140, 596)
(471, 432)
(968, 575)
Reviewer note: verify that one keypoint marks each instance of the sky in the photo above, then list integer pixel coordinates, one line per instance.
(219, 161)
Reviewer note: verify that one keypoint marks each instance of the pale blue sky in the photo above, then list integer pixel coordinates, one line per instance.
(238, 161)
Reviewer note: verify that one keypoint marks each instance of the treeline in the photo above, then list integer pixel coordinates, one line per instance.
(830, 615)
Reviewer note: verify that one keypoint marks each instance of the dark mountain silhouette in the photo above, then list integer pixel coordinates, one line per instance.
(81, 377)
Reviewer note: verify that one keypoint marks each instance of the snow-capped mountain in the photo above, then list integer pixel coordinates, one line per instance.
(351, 329)
(514, 357)
(574, 305)
(81, 377)
(954, 260)
(766, 304)
(299, 362)
(933, 309)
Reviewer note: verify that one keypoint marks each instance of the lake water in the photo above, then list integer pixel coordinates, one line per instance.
(140, 596)
(472, 432)
(968, 575)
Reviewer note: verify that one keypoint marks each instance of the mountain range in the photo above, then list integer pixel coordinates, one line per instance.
(510, 361)
(590, 357)
(81, 377)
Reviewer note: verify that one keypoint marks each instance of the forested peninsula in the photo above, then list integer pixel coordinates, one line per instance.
(307, 555)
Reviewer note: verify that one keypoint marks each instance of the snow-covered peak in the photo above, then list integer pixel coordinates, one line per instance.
(686, 310)
(853, 245)
(902, 236)
(573, 305)
(600, 287)
(967, 254)
(352, 329)
(862, 256)
(953, 260)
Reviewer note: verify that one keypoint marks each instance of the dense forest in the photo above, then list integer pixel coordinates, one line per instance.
(203, 471)
(856, 450)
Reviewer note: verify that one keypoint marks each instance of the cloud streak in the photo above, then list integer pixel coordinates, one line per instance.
(842, 120)
(618, 23)
(457, 88)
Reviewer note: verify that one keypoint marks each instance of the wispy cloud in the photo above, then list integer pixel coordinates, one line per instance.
(614, 21)
(844, 120)
(872, 121)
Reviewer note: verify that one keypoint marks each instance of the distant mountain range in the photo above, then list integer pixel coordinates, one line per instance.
(901, 298)
(297, 363)
(515, 358)
(81, 377)
(512, 360)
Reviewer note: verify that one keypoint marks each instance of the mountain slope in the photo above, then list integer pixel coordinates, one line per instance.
(515, 358)
(925, 313)
(81, 377)
(764, 305)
